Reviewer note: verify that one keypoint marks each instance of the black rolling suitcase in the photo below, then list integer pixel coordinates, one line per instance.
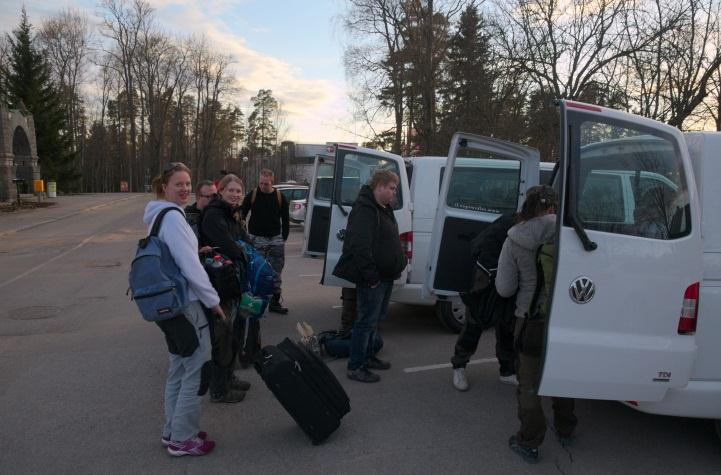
(305, 387)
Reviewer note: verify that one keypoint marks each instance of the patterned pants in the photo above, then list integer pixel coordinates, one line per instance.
(273, 250)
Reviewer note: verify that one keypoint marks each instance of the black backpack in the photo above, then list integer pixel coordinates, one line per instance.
(486, 249)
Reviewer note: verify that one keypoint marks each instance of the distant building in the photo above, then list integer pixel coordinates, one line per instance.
(299, 164)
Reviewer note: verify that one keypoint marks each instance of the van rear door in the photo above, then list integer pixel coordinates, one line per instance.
(315, 228)
(353, 168)
(624, 297)
(483, 179)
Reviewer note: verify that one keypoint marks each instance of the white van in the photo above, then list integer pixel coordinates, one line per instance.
(491, 184)
(634, 312)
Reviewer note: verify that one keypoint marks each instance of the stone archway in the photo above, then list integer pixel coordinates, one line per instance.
(18, 151)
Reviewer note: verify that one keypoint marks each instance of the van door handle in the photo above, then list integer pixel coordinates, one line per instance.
(340, 234)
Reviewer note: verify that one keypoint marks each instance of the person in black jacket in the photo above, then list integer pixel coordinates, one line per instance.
(269, 227)
(485, 308)
(204, 191)
(372, 259)
(220, 227)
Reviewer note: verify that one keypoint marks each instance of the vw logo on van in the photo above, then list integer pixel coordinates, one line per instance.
(582, 290)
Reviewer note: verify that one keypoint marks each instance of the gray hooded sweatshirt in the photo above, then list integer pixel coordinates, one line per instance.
(517, 262)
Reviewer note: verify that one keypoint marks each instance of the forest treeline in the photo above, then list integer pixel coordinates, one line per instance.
(417, 71)
(430, 68)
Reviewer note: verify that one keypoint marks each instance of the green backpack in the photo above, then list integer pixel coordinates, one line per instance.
(545, 257)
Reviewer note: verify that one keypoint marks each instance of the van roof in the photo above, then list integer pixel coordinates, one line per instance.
(487, 163)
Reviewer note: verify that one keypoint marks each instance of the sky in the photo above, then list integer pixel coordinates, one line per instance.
(293, 47)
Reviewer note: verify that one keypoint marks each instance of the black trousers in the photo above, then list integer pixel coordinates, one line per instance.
(229, 341)
(486, 310)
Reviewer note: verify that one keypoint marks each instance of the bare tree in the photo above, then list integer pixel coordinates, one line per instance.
(123, 21)
(159, 66)
(374, 64)
(695, 55)
(565, 47)
(65, 40)
(211, 82)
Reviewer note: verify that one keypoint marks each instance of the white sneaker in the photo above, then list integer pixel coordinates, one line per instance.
(510, 379)
(459, 379)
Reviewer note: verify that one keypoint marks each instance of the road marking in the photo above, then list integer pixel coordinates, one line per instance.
(69, 215)
(418, 369)
(30, 271)
(310, 275)
(337, 306)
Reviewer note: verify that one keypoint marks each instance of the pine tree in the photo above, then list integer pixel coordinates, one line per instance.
(467, 92)
(262, 132)
(27, 81)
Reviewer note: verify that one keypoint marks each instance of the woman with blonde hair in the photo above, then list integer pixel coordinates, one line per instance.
(187, 335)
(221, 227)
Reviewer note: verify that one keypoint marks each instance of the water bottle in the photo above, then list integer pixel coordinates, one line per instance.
(217, 262)
(208, 261)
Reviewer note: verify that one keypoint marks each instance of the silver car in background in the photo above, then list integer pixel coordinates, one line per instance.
(297, 196)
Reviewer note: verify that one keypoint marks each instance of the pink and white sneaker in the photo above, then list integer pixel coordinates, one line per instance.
(195, 446)
(166, 440)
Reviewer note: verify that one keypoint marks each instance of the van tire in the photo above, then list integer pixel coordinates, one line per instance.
(451, 313)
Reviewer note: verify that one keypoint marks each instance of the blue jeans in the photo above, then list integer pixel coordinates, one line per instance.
(372, 308)
(182, 403)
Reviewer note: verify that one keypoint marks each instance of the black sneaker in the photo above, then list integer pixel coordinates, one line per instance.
(363, 375)
(376, 363)
(231, 396)
(238, 384)
(276, 307)
(529, 454)
(565, 440)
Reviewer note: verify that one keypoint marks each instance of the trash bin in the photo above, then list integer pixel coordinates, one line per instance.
(38, 186)
(52, 189)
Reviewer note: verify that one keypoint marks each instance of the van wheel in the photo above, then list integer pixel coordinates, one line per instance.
(451, 313)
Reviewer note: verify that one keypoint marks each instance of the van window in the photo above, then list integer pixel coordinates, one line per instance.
(545, 177)
(489, 189)
(324, 182)
(358, 170)
(631, 183)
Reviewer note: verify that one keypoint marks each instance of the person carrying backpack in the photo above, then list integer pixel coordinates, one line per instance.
(187, 335)
(519, 272)
(269, 226)
(485, 308)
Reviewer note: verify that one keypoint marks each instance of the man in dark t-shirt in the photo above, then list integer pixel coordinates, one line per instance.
(268, 228)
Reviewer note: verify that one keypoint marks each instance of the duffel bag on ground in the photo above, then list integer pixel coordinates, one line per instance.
(338, 346)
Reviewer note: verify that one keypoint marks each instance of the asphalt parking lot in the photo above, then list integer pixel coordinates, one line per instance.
(82, 378)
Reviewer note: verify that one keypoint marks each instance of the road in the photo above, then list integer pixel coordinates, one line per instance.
(82, 378)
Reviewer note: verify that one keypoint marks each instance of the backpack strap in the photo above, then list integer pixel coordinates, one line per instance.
(277, 194)
(532, 309)
(156, 224)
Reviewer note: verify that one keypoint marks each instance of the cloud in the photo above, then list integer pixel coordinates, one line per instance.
(311, 106)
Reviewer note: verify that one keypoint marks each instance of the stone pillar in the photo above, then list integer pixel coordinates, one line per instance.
(7, 168)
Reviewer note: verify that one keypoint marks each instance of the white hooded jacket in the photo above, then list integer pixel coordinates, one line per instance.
(177, 234)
